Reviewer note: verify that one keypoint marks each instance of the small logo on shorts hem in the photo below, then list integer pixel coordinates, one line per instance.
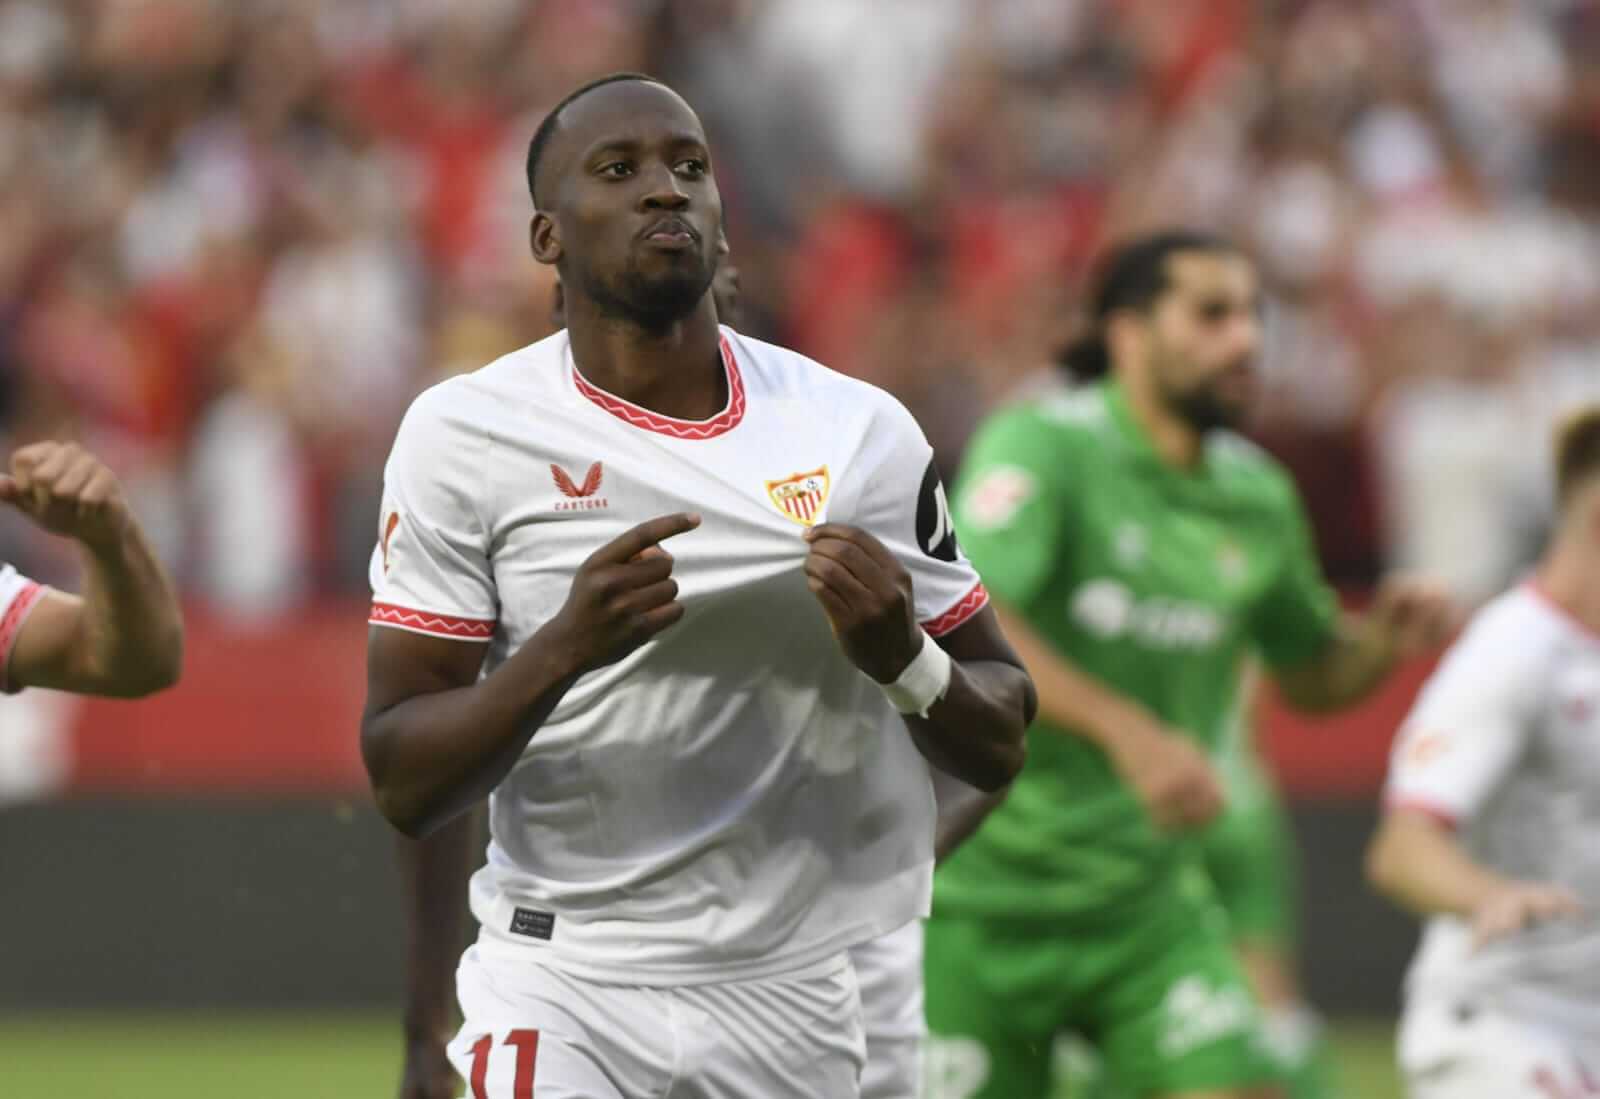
(533, 923)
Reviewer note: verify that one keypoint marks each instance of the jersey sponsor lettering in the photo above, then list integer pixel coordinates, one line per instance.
(1107, 609)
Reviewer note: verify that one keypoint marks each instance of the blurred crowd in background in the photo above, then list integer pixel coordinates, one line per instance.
(238, 236)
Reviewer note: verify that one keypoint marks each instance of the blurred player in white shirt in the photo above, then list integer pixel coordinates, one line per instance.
(124, 635)
(1491, 828)
(700, 797)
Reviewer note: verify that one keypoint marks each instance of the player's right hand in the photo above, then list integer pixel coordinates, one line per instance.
(426, 1073)
(67, 491)
(1171, 777)
(623, 595)
(1517, 905)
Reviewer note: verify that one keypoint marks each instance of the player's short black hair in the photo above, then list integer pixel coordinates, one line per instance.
(1131, 276)
(547, 127)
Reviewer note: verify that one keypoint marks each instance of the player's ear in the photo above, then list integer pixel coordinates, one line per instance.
(1122, 335)
(544, 238)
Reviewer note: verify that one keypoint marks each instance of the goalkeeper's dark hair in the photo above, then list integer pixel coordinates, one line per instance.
(547, 127)
(1131, 276)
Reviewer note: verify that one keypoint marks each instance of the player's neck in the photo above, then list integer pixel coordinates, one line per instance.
(675, 371)
(1568, 577)
(1176, 441)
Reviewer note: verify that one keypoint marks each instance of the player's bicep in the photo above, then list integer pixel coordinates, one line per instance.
(980, 638)
(49, 645)
(402, 665)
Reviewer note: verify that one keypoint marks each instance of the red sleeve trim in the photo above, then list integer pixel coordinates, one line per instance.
(11, 627)
(434, 625)
(967, 606)
(1439, 814)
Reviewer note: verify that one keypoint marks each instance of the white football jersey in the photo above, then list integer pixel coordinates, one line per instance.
(1504, 742)
(735, 798)
(18, 595)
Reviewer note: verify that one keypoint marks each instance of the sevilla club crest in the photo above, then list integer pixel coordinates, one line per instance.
(800, 496)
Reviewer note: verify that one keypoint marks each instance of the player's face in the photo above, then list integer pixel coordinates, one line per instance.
(1203, 333)
(632, 214)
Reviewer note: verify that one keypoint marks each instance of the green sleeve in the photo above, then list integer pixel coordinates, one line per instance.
(1299, 613)
(1009, 513)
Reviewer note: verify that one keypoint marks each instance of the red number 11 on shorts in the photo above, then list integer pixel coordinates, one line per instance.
(527, 1043)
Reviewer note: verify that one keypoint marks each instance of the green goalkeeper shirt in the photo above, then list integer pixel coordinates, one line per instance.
(1156, 580)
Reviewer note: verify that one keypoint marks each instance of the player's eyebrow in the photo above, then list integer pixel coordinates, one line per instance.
(632, 144)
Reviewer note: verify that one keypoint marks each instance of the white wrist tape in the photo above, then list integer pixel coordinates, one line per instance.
(924, 682)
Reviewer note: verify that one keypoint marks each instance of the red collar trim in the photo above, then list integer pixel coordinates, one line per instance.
(720, 424)
(1551, 604)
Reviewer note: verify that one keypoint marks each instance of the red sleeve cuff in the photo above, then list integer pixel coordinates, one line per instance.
(1446, 818)
(11, 628)
(965, 607)
(431, 624)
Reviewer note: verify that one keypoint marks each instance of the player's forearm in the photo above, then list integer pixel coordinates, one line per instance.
(977, 732)
(961, 809)
(1419, 864)
(1070, 698)
(434, 873)
(1354, 664)
(433, 756)
(130, 636)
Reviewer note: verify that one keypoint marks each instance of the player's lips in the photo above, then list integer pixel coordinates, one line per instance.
(670, 232)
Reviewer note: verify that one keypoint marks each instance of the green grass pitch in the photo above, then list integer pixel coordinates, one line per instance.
(152, 1056)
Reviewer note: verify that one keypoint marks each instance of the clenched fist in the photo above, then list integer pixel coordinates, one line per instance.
(426, 1073)
(1171, 777)
(866, 595)
(1414, 615)
(67, 491)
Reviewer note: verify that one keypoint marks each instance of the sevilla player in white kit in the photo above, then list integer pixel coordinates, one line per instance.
(702, 792)
(123, 636)
(1492, 829)
(436, 871)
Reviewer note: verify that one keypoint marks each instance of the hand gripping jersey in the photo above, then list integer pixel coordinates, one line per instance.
(1504, 742)
(18, 595)
(734, 799)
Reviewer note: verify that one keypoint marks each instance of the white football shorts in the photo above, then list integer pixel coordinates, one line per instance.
(532, 1032)
(1451, 1050)
(889, 971)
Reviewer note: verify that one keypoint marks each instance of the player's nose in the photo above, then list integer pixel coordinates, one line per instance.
(664, 191)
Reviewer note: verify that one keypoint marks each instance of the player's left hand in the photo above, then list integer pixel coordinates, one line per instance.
(426, 1073)
(866, 594)
(1414, 615)
(67, 491)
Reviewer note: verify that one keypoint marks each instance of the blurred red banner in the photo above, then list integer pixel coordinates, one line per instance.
(276, 711)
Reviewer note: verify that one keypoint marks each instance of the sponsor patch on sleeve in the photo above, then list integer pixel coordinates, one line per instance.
(996, 496)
